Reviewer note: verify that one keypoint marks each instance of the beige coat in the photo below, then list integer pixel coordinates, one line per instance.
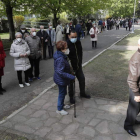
(59, 35)
(96, 34)
(17, 48)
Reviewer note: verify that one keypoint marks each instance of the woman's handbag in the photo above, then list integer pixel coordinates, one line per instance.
(92, 35)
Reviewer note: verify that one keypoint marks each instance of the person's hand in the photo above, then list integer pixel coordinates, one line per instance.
(21, 55)
(46, 40)
(25, 55)
(137, 98)
(41, 37)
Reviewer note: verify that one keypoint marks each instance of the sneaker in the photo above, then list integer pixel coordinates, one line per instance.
(38, 78)
(62, 112)
(27, 84)
(66, 106)
(30, 79)
(21, 85)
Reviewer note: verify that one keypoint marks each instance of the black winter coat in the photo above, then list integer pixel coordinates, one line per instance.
(76, 54)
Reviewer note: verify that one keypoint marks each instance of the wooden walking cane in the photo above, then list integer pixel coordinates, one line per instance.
(74, 99)
(42, 49)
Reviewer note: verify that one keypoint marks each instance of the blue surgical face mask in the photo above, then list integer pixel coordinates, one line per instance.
(73, 40)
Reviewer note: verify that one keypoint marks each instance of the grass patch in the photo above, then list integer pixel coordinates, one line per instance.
(106, 76)
(9, 136)
(4, 35)
(131, 39)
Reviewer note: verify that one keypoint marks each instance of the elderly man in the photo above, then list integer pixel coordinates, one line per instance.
(44, 37)
(52, 40)
(24, 31)
(134, 98)
(35, 47)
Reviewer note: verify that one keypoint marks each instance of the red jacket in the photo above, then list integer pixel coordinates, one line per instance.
(2, 56)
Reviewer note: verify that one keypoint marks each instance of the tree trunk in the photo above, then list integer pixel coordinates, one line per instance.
(55, 20)
(9, 12)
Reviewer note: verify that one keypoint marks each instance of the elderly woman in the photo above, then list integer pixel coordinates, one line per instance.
(20, 51)
(94, 35)
(2, 65)
(59, 32)
(62, 74)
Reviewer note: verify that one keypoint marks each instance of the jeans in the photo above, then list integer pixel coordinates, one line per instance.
(83, 34)
(132, 111)
(19, 74)
(34, 64)
(61, 97)
(81, 78)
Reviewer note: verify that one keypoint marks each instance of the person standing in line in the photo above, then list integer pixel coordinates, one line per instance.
(100, 24)
(117, 24)
(126, 25)
(2, 65)
(75, 56)
(104, 25)
(52, 40)
(20, 51)
(59, 32)
(129, 24)
(108, 24)
(67, 31)
(94, 35)
(78, 29)
(71, 26)
(62, 74)
(44, 37)
(35, 47)
(24, 31)
(133, 81)
(88, 25)
(83, 30)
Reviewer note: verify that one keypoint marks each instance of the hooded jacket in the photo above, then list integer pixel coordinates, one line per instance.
(17, 48)
(61, 69)
(76, 54)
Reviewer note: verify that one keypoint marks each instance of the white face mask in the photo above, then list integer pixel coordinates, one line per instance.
(23, 31)
(19, 39)
(67, 52)
(50, 27)
(34, 33)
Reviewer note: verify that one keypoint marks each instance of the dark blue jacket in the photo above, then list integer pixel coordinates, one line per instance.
(100, 22)
(78, 29)
(61, 69)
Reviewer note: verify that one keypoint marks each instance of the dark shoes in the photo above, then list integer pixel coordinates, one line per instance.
(85, 96)
(72, 101)
(2, 90)
(131, 132)
(1, 93)
(137, 122)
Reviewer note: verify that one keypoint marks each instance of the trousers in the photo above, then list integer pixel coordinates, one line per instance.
(19, 75)
(94, 44)
(132, 112)
(34, 65)
(81, 79)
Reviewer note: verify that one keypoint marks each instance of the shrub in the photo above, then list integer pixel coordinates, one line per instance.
(18, 19)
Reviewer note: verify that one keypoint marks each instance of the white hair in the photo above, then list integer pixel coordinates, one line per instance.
(41, 26)
(32, 29)
(18, 33)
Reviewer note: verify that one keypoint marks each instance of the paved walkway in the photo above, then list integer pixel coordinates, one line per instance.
(97, 119)
(16, 97)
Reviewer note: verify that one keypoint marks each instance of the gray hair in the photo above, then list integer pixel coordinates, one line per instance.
(18, 33)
